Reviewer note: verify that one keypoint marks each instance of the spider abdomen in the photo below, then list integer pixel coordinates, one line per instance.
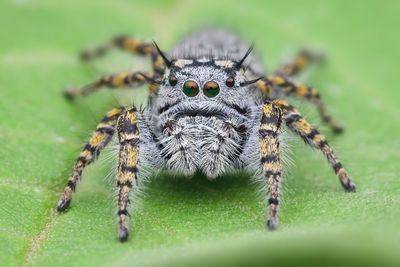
(215, 43)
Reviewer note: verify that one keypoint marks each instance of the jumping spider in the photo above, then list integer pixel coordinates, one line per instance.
(206, 112)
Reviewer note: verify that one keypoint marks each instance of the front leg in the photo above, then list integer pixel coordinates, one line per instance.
(270, 127)
(128, 134)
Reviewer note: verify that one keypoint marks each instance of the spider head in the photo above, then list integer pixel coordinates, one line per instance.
(204, 81)
(203, 78)
(204, 85)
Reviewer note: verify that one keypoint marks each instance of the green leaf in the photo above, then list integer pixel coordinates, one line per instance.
(197, 222)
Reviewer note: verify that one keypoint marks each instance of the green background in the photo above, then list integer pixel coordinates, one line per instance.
(195, 221)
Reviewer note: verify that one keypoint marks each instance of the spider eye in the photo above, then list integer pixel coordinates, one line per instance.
(190, 88)
(211, 89)
(172, 80)
(230, 82)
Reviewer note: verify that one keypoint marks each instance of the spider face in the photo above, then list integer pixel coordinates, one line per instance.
(199, 83)
(207, 76)
(202, 100)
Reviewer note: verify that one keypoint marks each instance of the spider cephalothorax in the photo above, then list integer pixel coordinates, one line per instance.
(202, 114)
(207, 113)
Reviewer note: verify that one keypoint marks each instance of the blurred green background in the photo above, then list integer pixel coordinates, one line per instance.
(197, 222)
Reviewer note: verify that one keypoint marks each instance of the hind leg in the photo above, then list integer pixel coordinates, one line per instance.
(299, 63)
(132, 79)
(315, 139)
(291, 88)
(131, 45)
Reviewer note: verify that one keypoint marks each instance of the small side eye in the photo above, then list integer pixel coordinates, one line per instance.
(190, 88)
(172, 80)
(230, 82)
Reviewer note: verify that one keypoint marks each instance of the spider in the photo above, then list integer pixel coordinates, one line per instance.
(206, 112)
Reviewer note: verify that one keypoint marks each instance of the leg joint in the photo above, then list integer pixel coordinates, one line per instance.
(71, 185)
(273, 201)
(123, 212)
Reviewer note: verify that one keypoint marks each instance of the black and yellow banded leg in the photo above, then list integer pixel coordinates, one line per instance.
(131, 45)
(128, 134)
(265, 87)
(112, 81)
(270, 127)
(99, 139)
(291, 88)
(300, 62)
(315, 139)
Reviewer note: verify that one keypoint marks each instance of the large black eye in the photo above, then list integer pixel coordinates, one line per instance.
(172, 80)
(211, 89)
(230, 82)
(190, 88)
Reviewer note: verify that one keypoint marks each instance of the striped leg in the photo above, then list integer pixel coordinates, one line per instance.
(311, 136)
(127, 166)
(99, 139)
(291, 88)
(131, 45)
(270, 127)
(111, 81)
(300, 62)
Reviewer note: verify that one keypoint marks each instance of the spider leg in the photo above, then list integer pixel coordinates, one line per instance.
(133, 79)
(270, 127)
(128, 133)
(300, 62)
(315, 139)
(291, 88)
(131, 45)
(99, 139)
